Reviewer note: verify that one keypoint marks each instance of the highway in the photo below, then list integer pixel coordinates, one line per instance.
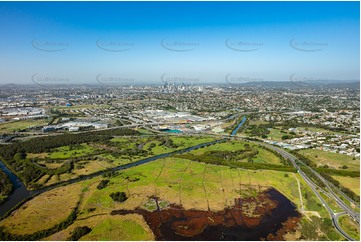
(314, 187)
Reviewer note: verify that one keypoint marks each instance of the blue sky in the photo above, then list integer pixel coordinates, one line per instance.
(92, 42)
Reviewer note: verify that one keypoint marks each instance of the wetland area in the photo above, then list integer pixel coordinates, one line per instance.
(273, 216)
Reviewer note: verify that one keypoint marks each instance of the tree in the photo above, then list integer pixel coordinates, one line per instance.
(118, 196)
(102, 184)
(79, 232)
(285, 137)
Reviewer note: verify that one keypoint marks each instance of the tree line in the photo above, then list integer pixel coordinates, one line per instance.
(6, 186)
(326, 173)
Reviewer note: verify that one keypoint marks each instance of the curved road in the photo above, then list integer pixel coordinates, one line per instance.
(334, 216)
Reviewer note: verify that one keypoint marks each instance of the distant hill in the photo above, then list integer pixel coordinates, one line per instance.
(305, 84)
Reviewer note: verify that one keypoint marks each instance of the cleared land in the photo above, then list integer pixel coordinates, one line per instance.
(333, 160)
(352, 183)
(276, 133)
(21, 125)
(66, 152)
(43, 211)
(128, 227)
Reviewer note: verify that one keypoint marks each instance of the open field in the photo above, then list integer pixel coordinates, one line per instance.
(128, 227)
(257, 122)
(143, 131)
(352, 183)
(66, 152)
(193, 185)
(263, 156)
(179, 181)
(91, 166)
(228, 146)
(43, 211)
(333, 160)
(276, 134)
(96, 156)
(49, 165)
(350, 226)
(314, 129)
(20, 125)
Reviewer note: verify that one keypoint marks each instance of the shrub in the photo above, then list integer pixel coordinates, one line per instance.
(102, 184)
(79, 232)
(118, 196)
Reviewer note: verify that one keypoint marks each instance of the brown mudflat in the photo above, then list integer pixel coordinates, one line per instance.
(268, 216)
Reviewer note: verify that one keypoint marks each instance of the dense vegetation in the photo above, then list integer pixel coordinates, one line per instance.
(14, 155)
(45, 144)
(118, 196)
(102, 184)
(79, 232)
(5, 186)
(324, 226)
(259, 130)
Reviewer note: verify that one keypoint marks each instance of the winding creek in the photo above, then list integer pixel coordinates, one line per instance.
(20, 193)
(271, 220)
(234, 132)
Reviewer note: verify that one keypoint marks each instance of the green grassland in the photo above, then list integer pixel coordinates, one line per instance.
(66, 152)
(157, 145)
(228, 146)
(263, 156)
(93, 157)
(173, 180)
(117, 228)
(144, 131)
(43, 211)
(192, 184)
(13, 126)
(257, 122)
(276, 134)
(352, 183)
(333, 160)
(314, 129)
